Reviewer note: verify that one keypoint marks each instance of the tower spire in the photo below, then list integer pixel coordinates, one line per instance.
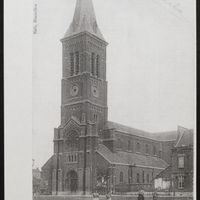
(84, 20)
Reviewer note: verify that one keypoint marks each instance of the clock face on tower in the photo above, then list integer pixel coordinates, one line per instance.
(74, 90)
(95, 91)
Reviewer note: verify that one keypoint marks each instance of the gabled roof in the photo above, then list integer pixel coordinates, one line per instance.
(166, 173)
(72, 119)
(185, 137)
(162, 136)
(84, 20)
(135, 159)
(48, 164)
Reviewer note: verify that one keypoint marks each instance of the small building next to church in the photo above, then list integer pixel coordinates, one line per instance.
(178, 177)
(91, 153)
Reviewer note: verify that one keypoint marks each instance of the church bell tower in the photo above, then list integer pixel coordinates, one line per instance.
(83, 103)
(84, 86)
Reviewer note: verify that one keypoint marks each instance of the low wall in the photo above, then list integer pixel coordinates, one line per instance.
(115, 197)
(66, 197)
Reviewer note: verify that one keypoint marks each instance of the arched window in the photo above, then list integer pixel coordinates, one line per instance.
(72, 141)
(119, 143)
(138, 177)
(121, 177)
(147, 148)
(71, 64)
(129, 145)
(92, 64)
(147, 178)
(143, 179)
(138, 146)
(97, 66)
(154, 150)
(77, 63)
(95, 117)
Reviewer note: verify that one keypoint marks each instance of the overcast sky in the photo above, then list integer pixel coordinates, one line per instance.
(150, 65)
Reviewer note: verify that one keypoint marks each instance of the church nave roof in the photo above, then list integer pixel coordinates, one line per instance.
(135, 159)
(161, 136)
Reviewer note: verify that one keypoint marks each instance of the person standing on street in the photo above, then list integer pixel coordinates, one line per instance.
(155, 196)
(140, 195)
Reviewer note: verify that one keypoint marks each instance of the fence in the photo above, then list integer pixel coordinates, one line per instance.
(113, 197)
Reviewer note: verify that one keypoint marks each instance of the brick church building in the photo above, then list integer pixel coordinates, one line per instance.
(90, 152)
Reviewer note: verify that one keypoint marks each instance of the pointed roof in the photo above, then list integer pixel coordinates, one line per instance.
(84, 20)
(185, 137)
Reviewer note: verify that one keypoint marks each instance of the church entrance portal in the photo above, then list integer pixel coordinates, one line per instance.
(71, 182)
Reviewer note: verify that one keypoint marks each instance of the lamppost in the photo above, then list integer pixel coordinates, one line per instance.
(173, 185)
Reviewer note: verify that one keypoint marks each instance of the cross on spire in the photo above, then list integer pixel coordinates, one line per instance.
(84, 20)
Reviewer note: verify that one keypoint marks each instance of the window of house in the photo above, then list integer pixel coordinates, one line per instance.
(180, 182)
(97, 66)
(181, 162)
(159, 154)
(92, 64)
(147, 148)
(77, 63)
(71, 64)
(138, 146)
(121, 177)
(154, 150)
(147, 178)
(138, 178)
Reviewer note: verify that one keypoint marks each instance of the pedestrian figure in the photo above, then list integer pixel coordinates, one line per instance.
(140, 195)
(155, 196)
(108, 197)
(95, 196)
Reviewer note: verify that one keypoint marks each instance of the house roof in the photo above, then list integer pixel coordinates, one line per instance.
(48, 164)
(185, 137)
(84, 20)
(161, 136)
(166, 173)
(135, 159)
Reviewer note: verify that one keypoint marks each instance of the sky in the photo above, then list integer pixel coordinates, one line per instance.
(150, 65)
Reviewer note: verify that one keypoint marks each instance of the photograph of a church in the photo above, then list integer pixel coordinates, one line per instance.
(93, 154)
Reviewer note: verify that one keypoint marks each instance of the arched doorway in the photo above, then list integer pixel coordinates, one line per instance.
(71, 181)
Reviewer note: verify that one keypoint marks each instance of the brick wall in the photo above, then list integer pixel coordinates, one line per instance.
(124, 140)
(187, 171)
(134, 186)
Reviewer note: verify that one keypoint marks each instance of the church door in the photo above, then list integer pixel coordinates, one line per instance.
(72, 181)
